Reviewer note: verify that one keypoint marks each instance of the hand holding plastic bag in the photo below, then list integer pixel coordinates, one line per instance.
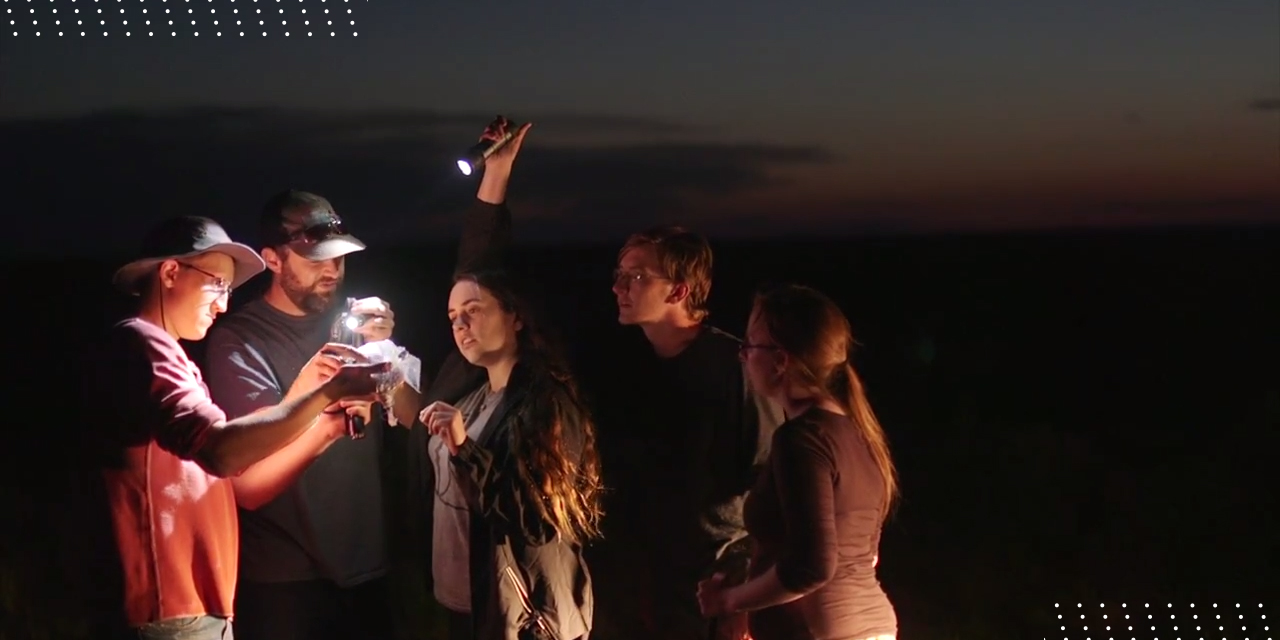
(405, 368)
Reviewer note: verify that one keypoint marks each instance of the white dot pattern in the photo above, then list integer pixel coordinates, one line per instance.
(1161, 621)
(179, 18)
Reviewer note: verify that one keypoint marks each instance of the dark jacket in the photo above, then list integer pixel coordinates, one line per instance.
(506, 520)
(504, 523)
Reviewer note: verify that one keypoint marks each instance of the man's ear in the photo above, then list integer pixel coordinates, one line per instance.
(169, 273)
(679, 291)
(273, 258)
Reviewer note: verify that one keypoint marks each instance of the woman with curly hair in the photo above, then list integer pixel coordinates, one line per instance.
(516, 467)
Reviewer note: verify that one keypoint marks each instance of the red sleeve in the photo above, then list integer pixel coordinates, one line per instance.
(182, 415)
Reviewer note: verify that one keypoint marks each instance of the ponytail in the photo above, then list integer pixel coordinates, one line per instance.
(846, 388)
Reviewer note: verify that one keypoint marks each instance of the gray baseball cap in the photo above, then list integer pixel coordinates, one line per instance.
(186, 237)
(308, 225)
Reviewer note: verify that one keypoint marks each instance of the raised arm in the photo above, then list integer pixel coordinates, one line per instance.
(486, 231)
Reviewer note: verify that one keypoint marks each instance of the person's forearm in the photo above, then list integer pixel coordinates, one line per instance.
(262, 482)
(493, 186)
(405, 405)
(761, 592)
(242, 442)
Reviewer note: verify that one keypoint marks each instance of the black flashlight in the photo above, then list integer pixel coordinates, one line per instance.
(476, 156)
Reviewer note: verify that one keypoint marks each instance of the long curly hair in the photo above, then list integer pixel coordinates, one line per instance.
(564, 475)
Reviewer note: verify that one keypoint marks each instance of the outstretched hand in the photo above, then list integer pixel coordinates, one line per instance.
(357, 381)
(322, 366)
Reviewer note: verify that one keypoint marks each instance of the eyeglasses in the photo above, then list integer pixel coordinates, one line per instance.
(317, 233)
(218, 284)
(625, 279)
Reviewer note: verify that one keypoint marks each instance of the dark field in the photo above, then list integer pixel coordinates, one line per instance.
(1077, 418)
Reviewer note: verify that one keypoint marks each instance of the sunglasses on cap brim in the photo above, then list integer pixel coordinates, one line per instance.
(317, 233)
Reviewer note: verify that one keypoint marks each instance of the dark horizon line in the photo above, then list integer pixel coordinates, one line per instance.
(1267, 231)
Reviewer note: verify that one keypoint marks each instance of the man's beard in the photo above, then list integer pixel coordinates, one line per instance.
(307, 299)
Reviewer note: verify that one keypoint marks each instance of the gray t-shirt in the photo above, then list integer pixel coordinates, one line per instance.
(329, 524)
(451, 521)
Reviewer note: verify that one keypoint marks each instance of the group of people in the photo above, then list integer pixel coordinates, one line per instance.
(677, 483)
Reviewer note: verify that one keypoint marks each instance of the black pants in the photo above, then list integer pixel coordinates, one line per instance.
(313, 610)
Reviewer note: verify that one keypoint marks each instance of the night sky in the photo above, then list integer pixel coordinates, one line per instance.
(739, 118)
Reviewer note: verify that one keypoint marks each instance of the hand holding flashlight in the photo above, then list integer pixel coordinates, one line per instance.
(497, 148)
(376, 320)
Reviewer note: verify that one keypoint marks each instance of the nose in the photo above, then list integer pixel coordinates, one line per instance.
(620, 286)
(331, 268)
(219, 304)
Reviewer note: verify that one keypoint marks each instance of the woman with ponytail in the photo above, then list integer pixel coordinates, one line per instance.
(817, 510)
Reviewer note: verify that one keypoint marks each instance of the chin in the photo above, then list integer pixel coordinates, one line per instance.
(195, 334)
(469, 354)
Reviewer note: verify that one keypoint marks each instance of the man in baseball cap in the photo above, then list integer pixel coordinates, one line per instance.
(304, 242)
(164, 448)
(314, 551)
(187, 238)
